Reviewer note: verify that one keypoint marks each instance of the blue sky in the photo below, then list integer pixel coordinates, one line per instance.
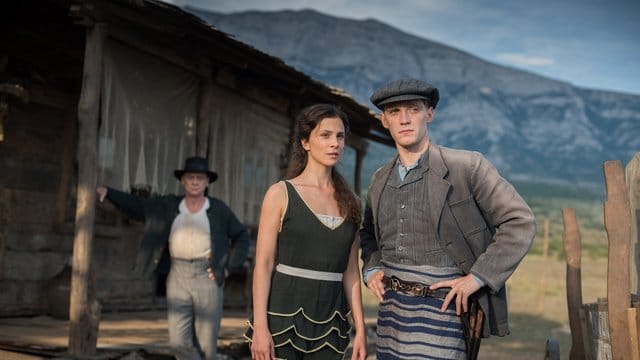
(589, 43)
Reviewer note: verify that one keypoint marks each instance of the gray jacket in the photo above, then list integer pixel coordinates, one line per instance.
(484, 224)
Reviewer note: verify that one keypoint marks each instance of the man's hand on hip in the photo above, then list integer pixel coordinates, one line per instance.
(461, 289)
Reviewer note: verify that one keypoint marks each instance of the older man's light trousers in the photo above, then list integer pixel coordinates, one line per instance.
(194, 306)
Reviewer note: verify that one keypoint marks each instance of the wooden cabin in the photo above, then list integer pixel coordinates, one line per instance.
(119, 93)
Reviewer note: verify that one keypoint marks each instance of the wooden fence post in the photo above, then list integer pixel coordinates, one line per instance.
(543, 277)
(573, 255)
(632, 176)
(632, 316)
(617, 221)
(84, 310)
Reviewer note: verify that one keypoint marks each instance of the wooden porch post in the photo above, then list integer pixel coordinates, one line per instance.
(84, 310)
(617, 222)
(358, 177)
(360, 146)
(202, 135)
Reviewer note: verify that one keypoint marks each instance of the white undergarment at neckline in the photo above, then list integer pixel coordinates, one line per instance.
(330, 221)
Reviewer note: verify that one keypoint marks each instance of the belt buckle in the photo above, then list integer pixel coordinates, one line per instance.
(395, 283)
(418, 289)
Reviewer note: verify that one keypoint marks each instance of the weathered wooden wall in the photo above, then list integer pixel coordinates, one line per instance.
(43, 50)
(31, 163)
(36, 213)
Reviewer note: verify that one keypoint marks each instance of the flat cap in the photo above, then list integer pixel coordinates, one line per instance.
(405, 90)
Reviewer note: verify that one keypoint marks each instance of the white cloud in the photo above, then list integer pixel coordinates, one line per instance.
(524, 60)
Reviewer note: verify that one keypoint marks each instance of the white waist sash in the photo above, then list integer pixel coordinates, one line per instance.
(308, 274)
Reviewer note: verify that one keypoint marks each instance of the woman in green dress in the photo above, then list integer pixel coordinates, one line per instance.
(306, 281)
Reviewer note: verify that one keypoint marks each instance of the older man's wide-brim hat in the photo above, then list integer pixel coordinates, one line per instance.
(405, 90)
(196, 164)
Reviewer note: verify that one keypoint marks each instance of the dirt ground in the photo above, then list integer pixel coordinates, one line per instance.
(130, 334)
(538, 312)
(122, 335)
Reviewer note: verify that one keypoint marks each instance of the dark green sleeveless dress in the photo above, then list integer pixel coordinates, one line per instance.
(309, 314)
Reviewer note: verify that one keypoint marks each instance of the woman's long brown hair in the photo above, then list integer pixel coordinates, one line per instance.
(308, 119)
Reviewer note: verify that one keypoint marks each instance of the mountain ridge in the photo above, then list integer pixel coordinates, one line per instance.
(532, 127)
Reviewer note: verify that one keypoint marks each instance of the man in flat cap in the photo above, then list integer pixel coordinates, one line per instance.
(442, 233)
(206, 243)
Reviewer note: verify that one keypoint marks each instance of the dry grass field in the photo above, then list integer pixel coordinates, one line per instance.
(537, 306)
(539, 313)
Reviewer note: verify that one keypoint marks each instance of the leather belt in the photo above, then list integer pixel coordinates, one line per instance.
(413, 288)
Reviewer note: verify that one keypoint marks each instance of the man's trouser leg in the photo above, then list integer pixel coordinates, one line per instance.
(180, 313)
(208, 301)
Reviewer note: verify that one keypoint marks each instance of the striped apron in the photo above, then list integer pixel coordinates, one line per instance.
(412, 327)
